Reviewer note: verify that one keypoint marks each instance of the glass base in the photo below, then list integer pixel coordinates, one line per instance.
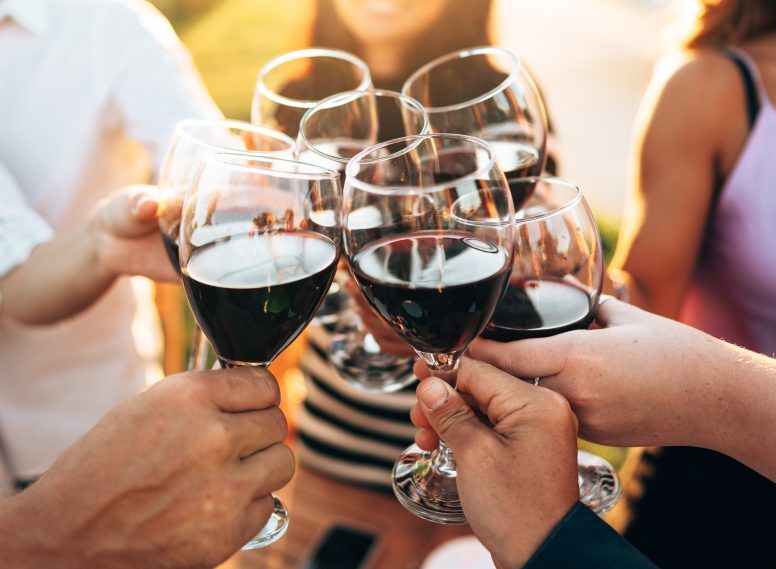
(599, 484)
(360, 362)
(274, 529)
(428, 491)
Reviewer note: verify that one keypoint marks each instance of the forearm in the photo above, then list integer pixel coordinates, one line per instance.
(739, 407)
(60, 278)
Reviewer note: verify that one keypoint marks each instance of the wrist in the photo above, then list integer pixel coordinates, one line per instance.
(98, 240)
(31, 537)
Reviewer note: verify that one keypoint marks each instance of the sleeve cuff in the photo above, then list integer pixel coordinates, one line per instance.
(582, 540)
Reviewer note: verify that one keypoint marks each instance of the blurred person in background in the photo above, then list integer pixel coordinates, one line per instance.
(697, 245)
(345, 432)
(91, 92)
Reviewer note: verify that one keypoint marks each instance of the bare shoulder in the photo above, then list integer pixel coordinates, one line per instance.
(704, 78)
(692, 92)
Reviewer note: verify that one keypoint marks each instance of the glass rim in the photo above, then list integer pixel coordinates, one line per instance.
(346, 97)
(359, 159)
(463, 54)
(181, 130)
(228, 160)
(572, 202)
(311, 52)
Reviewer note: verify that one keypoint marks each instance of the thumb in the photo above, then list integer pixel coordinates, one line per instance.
(130, 212)
(450, 416)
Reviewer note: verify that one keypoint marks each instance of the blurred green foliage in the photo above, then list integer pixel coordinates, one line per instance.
(231, 39)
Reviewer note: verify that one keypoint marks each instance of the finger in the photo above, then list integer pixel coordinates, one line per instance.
(143, 256)
(427, 439)
(612, 312)
(418, 418)
(269, 469)
(257, 514)
(494, 392)
(449, 415)
(535, 357)
(130, 212)
(256, 430)
(421, 371)
(241, 389)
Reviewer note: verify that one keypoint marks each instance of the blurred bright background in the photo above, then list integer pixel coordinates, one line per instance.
(592, 57)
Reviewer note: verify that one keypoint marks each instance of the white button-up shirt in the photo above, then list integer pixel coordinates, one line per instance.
(90, 92)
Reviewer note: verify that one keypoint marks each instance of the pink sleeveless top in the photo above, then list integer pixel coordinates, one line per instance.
(733, 292)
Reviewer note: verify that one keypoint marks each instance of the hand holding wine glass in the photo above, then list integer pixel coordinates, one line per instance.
(429, 235)
(555, 286)
(259, 246)
(517, 469)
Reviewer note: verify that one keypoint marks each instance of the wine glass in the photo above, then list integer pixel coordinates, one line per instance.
(193, 138)
(330, 134)
(487, 92)
(259, 246)
(291, 84)
(429, 234)
(555, 287)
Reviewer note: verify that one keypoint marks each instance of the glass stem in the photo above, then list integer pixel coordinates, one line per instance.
(199, 351)
(444, 460)
(443, 366)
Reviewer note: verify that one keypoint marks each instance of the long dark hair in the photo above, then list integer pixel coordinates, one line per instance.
(463, 23)
(730, 22)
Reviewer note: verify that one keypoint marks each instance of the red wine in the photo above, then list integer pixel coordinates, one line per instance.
(436, 290)
(517, 161)
(539, 308)
(252, 295)
(171, 246)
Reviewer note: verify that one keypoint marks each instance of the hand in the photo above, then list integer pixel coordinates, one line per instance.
(390, 343)
(178, 476)
(517, 470)
(127, 231)
(629, 383)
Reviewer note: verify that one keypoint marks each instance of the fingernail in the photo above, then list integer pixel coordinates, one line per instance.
(138, 201)
(434, 394)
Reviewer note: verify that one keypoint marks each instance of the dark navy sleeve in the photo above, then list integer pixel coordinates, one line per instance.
(582, 540)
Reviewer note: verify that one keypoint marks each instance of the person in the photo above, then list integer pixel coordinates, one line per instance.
(345, 432)
(634, 381)
(91, 93)
(212, 451)
(694, 246)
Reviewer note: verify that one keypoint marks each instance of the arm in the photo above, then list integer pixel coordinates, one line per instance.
(67, 273)
(178, 476)
(515, 449)
(149, 75)
(678, 159)
(645, 380)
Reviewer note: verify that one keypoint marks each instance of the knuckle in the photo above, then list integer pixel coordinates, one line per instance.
(268, 387)
(279, 423)
(217, 439)
(453, 418)
(557, 409)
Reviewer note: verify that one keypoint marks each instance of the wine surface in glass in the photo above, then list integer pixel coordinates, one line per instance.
(252, 295)
(533, 308)
(436, 289)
